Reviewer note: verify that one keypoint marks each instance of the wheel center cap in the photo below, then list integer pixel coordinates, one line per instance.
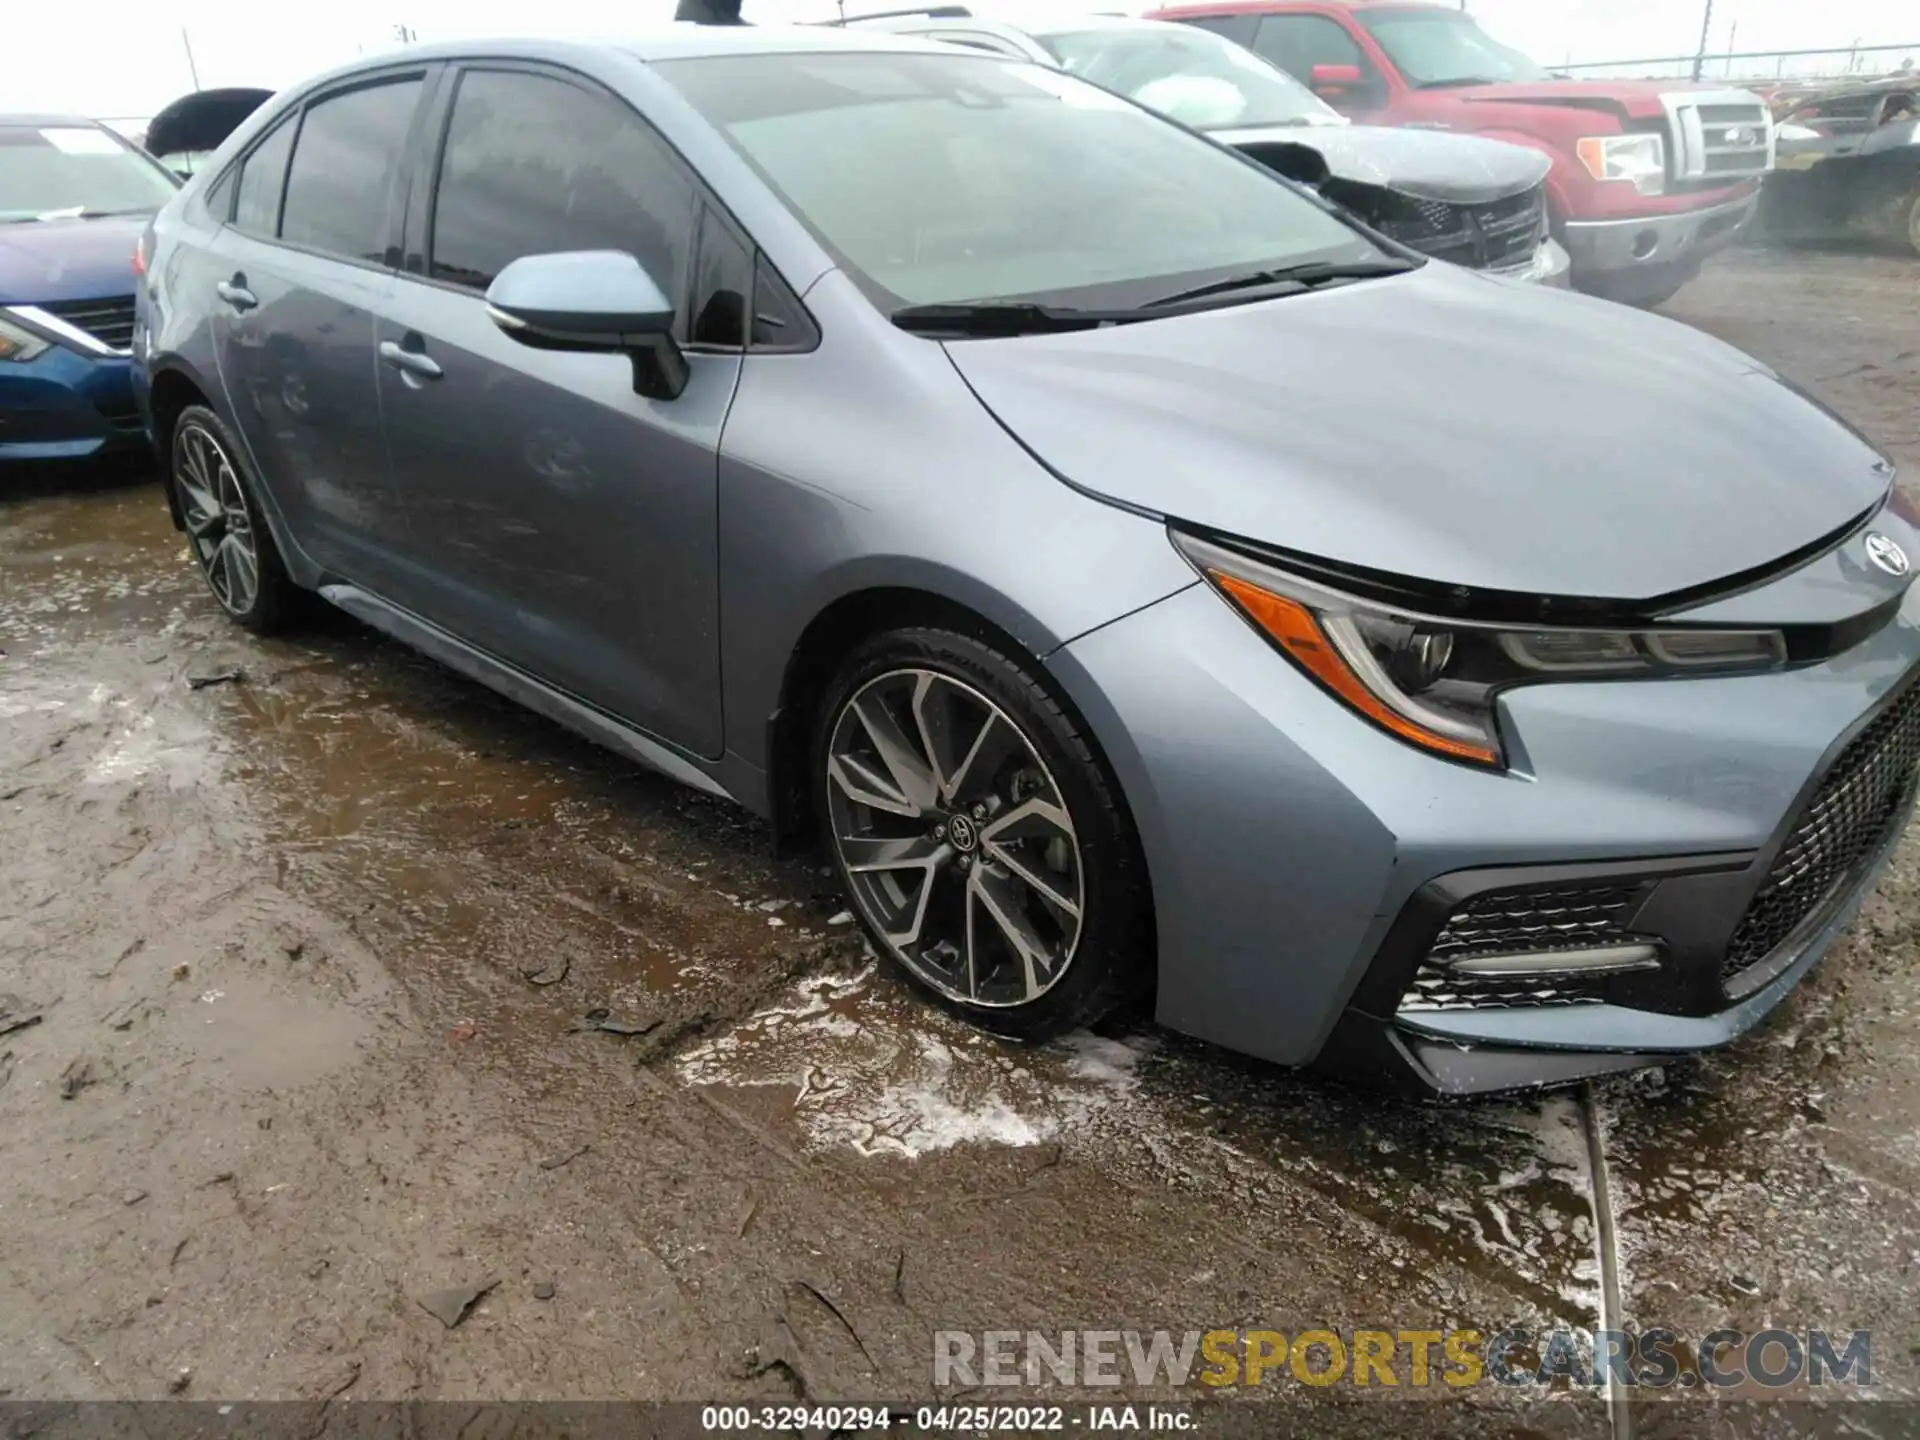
(962, 834)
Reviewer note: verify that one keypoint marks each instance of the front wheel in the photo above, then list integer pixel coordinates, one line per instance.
(226, 535)
(983, 844)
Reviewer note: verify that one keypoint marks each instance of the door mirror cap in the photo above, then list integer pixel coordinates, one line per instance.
(1334, 77)
(579, 300)
(593, 300)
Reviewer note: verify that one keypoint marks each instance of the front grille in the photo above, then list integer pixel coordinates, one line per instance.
(1718, 137)
(1503, 922)
(1866, 794)
(1499, 234)
(108, 321)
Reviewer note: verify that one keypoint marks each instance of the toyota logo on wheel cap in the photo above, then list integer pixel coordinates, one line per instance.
(1886, 554)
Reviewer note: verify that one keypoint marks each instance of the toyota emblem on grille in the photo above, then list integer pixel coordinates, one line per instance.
(1886, 554)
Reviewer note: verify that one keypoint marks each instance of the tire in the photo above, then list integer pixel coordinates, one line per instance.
(962, 870)
(226, 535)
(1913, 222)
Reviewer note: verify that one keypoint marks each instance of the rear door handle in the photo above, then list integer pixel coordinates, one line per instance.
(412, 362)
(236, 294)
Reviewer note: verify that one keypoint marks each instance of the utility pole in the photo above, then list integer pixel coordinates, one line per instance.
(1700, 56)
(192, 69)
(405, 34)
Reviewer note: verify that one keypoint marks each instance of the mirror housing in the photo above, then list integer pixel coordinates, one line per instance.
(593, 301)
(1334, 77)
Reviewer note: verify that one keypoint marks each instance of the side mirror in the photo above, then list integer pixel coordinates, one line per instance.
(1334, 79)
(592, 300)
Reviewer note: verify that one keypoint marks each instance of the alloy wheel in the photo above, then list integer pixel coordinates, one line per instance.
(956, 842)
(219, 525)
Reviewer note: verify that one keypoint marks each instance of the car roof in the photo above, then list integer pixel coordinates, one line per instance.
(674, 41)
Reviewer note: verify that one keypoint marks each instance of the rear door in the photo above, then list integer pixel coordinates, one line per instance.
(566, 525)
(299, 273)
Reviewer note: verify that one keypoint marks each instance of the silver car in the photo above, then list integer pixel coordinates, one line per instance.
(1141, 581)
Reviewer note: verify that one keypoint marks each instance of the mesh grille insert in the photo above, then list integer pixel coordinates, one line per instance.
(1866, 793)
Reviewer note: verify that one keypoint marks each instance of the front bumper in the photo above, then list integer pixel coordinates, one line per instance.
(64, 405)
(1608, 251)
(1300, 858)
(1551, 266)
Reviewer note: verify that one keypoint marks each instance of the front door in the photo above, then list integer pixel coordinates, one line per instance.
(564, 524)
(298, 277)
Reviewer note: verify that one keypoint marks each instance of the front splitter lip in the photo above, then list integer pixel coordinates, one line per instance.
(1483, 1052)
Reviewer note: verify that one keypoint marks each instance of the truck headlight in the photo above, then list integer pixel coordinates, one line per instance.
(1432, 681)
(20, 344)
(1638, 159)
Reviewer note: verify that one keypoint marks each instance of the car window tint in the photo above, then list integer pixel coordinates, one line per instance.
(1297, 43)
(343, 164)
(262, 175)
(1237, 28)
(534, 165)
(722, 288)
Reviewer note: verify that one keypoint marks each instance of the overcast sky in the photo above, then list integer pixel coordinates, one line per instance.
(116, 58)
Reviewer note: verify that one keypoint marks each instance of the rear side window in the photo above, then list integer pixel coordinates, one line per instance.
(1237, 28)
(343, 166)
(534, 165)
(263, 174)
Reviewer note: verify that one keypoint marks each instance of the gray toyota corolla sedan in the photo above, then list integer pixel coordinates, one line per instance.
(1138, 578)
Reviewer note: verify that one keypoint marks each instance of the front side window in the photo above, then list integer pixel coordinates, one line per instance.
(961, 179)
(535, 165)
(344, 161)
(59, 172)
(1436, 48)
(263, 176)
(1191, 76)
(1297, 43)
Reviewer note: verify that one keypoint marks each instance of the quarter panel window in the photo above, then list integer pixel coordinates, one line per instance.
(535, 165)
(344, 161)
(263, 176)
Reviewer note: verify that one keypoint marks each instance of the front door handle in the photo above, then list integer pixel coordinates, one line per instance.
(236, 293)
(412, 362)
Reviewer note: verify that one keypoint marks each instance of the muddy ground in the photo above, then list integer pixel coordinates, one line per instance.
(312, 947)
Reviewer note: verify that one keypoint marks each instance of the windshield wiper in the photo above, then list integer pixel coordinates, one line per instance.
(1297, 278)
(1457, 82)
(1005, 317)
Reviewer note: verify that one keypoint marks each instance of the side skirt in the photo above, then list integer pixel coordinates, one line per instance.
(517, 685)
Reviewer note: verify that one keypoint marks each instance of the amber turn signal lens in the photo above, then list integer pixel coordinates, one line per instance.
(1294, 629)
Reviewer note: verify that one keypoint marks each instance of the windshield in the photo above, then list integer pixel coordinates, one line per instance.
(53, 171)
(1434, 48)
(1194, 76)
(951, 179)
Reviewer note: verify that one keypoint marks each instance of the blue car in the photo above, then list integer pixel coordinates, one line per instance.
(74, 198)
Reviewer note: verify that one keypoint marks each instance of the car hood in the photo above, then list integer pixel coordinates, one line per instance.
(43, 260)
(1426, 164)
(1637, 99)
(1444, 426)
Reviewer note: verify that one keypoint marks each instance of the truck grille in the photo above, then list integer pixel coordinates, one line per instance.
(1718, 137)
(1496, 235)
(108, 321)
(1864, 798)
(1502, 922)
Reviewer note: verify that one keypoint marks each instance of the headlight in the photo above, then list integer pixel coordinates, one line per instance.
(1433, 682)
(1641, 159)
(20, 344)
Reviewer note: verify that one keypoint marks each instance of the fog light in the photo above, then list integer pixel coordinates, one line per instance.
(1591, 960)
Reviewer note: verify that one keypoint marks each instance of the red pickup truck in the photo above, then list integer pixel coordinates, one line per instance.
(1649, 177)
